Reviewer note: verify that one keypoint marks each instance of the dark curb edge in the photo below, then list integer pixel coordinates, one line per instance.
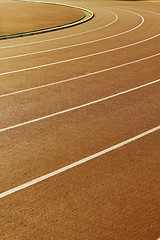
(88, 16)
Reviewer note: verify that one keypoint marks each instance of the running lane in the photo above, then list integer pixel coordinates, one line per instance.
(86, 95)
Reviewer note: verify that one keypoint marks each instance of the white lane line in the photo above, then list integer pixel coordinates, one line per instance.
(77, 163)
(53, 39)
(58, 38)
(79, 44)
(88, 16)
(140, 9)
(78, 77)
(60, 48)
(77, 107)
(77, 58)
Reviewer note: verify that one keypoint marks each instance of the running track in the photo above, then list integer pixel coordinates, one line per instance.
(79, 129)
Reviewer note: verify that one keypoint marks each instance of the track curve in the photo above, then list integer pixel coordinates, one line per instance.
(89, 95)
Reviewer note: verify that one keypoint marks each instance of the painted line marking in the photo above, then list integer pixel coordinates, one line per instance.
(77, 107)
(78, 77)
(53, 39)
(77, 163)
(72, 35)
(88, 15)
(79, 44)
(77, 58)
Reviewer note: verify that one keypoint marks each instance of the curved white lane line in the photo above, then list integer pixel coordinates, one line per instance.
(77, 163)
(79, 44)
(90, 31)
(77, 58)
(82, 20)
(139, 9)
(75, 78)
(58, 38)
(52, 39)
(77, 107)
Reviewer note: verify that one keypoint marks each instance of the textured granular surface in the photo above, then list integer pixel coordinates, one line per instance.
(71, 95)
(18, 17)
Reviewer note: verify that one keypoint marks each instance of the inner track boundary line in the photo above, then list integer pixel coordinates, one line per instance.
(88, 16)
(53, 39)
(79, 44)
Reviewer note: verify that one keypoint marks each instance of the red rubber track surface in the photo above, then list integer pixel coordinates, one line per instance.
(111, 197)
